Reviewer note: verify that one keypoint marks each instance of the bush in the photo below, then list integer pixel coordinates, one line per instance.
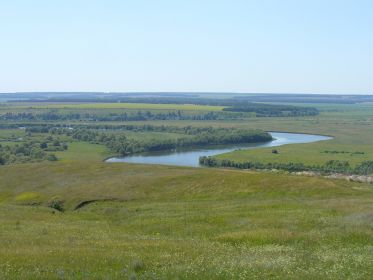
(43, 145)
(138, 265)
(365, 168)
(52, 157)
(57, 204)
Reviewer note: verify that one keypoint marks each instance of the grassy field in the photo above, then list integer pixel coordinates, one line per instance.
(311, 154)
(184, 223)
(127, 221)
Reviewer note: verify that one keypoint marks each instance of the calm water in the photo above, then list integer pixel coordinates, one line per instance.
(190, 157)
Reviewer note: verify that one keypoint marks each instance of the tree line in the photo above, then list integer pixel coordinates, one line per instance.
(139, 115)
(235, 109)
(331, 166)
(269, 110)
(188, 130)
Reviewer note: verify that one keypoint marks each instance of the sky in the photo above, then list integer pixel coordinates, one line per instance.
(285, 46)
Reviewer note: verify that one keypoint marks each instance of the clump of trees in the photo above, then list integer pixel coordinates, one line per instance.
(30, 151)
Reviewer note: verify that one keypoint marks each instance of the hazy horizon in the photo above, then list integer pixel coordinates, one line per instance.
(183, 92)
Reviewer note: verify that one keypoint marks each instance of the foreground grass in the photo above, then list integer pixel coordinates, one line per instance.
(167, 222)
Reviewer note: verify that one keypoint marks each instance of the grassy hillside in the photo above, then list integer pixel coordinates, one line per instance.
(168, 222)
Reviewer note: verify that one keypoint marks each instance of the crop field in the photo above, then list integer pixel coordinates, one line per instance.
(79, 217)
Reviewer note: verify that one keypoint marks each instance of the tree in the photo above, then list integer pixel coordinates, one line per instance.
(56, 143)
(43, 145)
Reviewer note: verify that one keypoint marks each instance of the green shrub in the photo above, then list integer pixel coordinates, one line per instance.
(52, 157)
(138, 265)
(57, 204)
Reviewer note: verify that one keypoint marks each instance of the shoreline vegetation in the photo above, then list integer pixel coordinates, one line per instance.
(330, 167)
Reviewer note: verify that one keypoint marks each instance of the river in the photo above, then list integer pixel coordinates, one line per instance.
(190, 157)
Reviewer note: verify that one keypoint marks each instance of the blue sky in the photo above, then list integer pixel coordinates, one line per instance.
(310, 46)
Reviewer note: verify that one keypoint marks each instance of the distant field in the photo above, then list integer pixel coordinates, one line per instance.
(189, 107)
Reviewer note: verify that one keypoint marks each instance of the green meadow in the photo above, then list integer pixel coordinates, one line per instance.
(82, 218)
(158, 222)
